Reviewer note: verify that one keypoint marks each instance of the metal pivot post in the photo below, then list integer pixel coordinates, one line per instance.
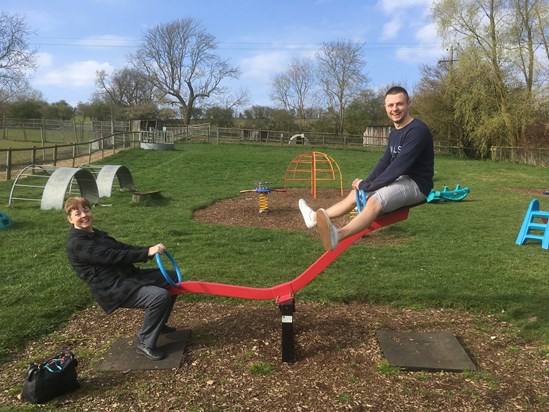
(287, 309)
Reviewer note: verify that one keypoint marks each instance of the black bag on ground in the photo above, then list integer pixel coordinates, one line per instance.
(50, 378)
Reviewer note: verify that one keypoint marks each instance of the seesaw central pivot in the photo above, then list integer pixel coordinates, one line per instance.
(287, 309)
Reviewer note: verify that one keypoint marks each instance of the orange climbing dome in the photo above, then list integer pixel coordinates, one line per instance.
(313, 167)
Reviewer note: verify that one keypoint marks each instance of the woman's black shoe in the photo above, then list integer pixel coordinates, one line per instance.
(151, 353)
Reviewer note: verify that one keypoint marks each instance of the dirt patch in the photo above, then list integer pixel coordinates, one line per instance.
(529, 191)
(233, 362)
(283, 212)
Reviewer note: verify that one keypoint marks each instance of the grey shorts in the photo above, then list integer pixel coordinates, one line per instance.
(402, 192)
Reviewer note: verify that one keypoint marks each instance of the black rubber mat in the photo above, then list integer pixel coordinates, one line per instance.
(429, 351)
(122, 355)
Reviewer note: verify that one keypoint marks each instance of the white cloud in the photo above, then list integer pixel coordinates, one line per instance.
(418, 54)
(427, 34)
(392, 6)
(405, 15)
(391, 28)
(427, 48)
(44, 59)
(262, 66)
(411, 17)
(77, 74)
(107, 40)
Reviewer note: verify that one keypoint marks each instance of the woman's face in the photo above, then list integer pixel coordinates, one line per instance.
(81, 218)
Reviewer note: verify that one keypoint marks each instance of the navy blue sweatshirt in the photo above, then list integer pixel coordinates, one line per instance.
(409, 152)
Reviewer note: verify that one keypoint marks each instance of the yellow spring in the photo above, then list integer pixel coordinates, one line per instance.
(263, 203)
(353, 213)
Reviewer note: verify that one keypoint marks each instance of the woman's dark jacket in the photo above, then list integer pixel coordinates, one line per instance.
(106, 266)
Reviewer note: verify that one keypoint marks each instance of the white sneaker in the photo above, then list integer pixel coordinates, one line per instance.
(309, 215)
(328, 232)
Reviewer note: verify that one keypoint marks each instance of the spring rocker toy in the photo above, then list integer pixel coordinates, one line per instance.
(455, 195)
(263, 189)
(284, 293)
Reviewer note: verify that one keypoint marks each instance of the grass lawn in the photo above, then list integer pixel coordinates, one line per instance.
(454, 255)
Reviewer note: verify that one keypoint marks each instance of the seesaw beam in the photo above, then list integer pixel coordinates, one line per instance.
(284, 292)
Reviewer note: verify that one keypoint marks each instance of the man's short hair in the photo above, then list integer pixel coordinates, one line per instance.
(397, 90)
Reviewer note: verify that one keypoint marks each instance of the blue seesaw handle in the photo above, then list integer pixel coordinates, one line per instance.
(166, 275)
(360, 200)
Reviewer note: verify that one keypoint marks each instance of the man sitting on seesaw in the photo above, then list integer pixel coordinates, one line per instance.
(402, 177)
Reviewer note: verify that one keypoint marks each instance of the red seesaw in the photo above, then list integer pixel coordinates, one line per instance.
(283, 294)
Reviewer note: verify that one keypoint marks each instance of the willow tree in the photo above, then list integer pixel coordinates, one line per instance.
(503, 35)
(179, 59)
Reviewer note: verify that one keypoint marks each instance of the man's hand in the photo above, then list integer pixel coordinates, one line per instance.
(356, 183)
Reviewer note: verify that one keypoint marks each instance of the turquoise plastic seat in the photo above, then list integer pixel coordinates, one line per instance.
(5, 221)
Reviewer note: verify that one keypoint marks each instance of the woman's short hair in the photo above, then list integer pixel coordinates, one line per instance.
(74, 203)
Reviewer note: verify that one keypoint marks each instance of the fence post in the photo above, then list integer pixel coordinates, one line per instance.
(8, 164)
(33, 155)
(73, 154)
(44, 129)
(55, 155)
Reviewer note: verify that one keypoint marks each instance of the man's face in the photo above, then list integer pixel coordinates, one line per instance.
(397, 106)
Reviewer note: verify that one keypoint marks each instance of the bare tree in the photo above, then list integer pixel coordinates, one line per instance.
(128, 92)
(340, 71)
(16, 59)
(126, 87)
(235, 100)
(179, 59)
(294, 88)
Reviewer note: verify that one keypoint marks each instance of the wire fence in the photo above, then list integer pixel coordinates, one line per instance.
(70, 155)
(59, 131)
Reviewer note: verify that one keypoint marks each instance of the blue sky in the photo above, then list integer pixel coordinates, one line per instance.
(76, 39)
